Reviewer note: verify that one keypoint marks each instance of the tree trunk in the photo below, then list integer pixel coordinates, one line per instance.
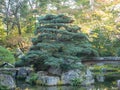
(18, 25)
(92, 4)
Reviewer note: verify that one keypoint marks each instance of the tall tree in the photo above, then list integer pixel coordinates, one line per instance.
(11, 14)
(58, 43)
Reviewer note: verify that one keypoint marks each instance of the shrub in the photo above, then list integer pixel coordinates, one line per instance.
(76, 81)
(6, 56)
(32, 79)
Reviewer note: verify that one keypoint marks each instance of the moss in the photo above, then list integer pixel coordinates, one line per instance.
(39, 82)
(60, 82)
(76, 81)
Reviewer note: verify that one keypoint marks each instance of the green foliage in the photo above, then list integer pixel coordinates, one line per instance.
(32, 78)
(118, 52)
(6, 56)
(76, 81)
(102, 22)
(107, 70)
(102, 42)
(58, 43)
(2, 33)
(3, 87)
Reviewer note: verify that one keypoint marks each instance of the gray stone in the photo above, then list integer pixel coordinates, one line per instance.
(100, 78)
(48, 80)
(118, 84)
(22, 73)
(19, 53)
(45, 79)
(55, 71)
(10, 71)
(7, 81)
(88, 78)
(70, 75)
(41, 73)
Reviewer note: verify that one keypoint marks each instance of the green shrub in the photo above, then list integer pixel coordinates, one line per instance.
(76, 81)
(32, 79)
(3, 87)
(6, 56)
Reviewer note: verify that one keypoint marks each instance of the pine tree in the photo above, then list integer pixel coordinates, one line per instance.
(58, 43)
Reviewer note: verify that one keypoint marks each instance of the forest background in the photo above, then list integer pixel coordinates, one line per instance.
(99, 19)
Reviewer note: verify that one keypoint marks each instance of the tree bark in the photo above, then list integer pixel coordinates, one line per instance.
(92, 4)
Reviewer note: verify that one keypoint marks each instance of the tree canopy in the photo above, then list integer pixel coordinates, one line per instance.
(58, 43)
(99, 19)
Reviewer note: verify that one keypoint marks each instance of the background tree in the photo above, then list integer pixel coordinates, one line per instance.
(2, 33)
(16, 18)
(104, 16)
(58, 43)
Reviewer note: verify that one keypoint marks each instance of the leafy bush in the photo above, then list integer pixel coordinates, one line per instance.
(32, 78)
(76, 81)
(6, 56)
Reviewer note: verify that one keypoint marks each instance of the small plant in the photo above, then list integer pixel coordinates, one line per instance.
(32, 79)
(76, 81)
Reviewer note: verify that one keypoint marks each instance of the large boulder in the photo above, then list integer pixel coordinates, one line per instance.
(118, 84)
(8, 71)
(89, 79)
(23, 72)
(41, 73)
(55, 71)
(48, 80)
(45, 79)
(6, 82)
(42, 78)
(71, 75)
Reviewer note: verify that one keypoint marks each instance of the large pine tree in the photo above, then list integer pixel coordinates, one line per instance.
(58, 43)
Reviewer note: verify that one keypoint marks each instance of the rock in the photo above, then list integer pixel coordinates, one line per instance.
(33, 77)
(70, 75)
(19, 53)
(48, 80)
(88, 78)
(45, 79)
(7, 82)
(54, 71)
(22, 73)
(118, 84)
(6, 65)
(8, 71)
(100, 78)
(41, 73)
